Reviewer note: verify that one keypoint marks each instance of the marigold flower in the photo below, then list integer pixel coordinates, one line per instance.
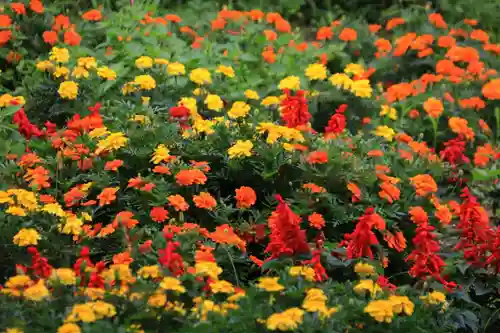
(72, 38)
(437, 20)
(270, 284)
(348, 34)
(245, 197)
(491, 90)
(287, 320)
(145, 82)
(200, 76)
(159, 214)
(314, 188)
(242, 148)
(239, 109)
(316, 72)
(362, 268)
(204, 200)
(224, 234)
(107, 196)
(26, 237)
(433, 107)
(424, 185)
(214, 102)
(460, 126)
(190, 177)
(316, 221)
(176, 69)
(50, 37)
(394, 22)
(69, 328)
(92, 15)
(18, 8)
(113, 165)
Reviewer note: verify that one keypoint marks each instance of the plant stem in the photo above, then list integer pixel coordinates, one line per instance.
(232, 264)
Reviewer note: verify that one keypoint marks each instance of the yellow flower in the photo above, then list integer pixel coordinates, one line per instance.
(157, 300)
(270, 100)
(68, 328)
(59, 55)
(44, 65)
(176, 307)
(65, 276)
(16, 211)
(241, 148)
(103, 309)
(222, 286)
(176, 68)
(61, 71)
(147, 272)
(26, 237)
(391, 112)
(68, 90)
(87, 62)
(364, 268)
(82, 312)
(25, 198)
(144, 62)
(161, 154)
(171, 283)
(239, 109)
(380, 310)
(191, 104)
(37, 292)
(128, 88)
(251, 94)
(78, 72)
(204, 126)
(145, 82)
(362, 88)
(355, 69)
(72, 225)
(54, 209)
(402, 304)
(98, 132)
(106, 73)
(226, 70)
(290, 82)
(161, 61)
(316, 72)
(5, 197)
(208, 268)
(434, 298)
(145, 100)
(341, 80)
(287, 320)
(114, 141)
(14, 330)
(200, 76)
(368, 286)
(304, 271)
(140, 118)
(270, 284)
(214, 102)
(385, 131)
(18, 281)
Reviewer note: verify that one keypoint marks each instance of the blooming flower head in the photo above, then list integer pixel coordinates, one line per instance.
(214, 102)
(26, 237)
(145, 82)
(364, 269)
(380, 310)
(270, 284)
(245, 197)
(424, 185)
(433, 107)
(290, 82)
(241, 148)
(178, 202)
(226, 70)
(144, 62)
(251, 94)
(200, 76)
(348, 34)
(60, 55)
(287, 320)
(176, 69)
(239, 110)
(68, 90)
(316, 72)
(204, 200)
(385, 132)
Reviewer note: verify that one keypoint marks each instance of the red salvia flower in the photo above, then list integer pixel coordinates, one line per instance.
(359, 242)
(294, 109)
(168, 257)
(337, 122)
(453, 152)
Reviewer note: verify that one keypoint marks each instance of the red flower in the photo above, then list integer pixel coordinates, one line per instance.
(317, 157)
(245, 197)
(317, 266)
(50, 37)
(72, 38)
(294, 109)
(25, 127)
(159, 214)
(168, 257)
(337, 122)
(453, 152)
(316, 220)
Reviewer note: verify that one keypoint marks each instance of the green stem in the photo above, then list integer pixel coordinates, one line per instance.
(435, 129)
(232, 264)
(493, 315)
(497, 129)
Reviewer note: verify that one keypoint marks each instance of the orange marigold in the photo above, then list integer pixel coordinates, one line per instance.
(437, 20)
(460, 126)
(491, 90)
(204, 200)
(424, 185)
(348, 34)
(178, 202)
(92, 15)
(245, 197)
(316, 221)
(418, 215)
(107, 196)
(190, 177)
(224, 234)
(433, 107)
(18, 8)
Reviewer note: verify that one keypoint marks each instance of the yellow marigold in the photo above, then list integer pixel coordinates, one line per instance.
(18, 282)
(68, 90)
(128, 88)
(106, 73)
(316, 72)
(226, 70)
(161, 154)
(239, 109)
(241, 148)
(362, 88)
(69, 328)
(204, 126)
(54, 209)
(390, 112)
(44, 65)
(114, 141)
(380, 310)
(270, 100)
(364, 269)
(61, 71)
(82, 312)
(367, 286)
(355, 69)
(25, 198)
(290, 82)
(171, 283)
(434, 298)
(287, 320)
(270, 284)
(72, 225)
(145, 82)
(208, 268)
(103, 309)
(402, 304)
(149, 272)
(304, 271)
(251, 94)
(14, 330)
(26, 237)
(222, 286)
(176, 68)
(341, 80)
(214, 102)
(161, 61)
(87, 62)
(144, 62)
(16, 211)
(191, 104)
(37, 292)
(79, 72)
(176, 307)
(157, 300)
(60, 55)
(385, 131)
(65, 276)
(200, 76)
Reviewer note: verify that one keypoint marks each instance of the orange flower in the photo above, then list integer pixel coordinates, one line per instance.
(225, 234)
(437, 20)
(92, 15)
(158, 214)
(256, 15)
(405, 155)
(5, 21)
(50, 37)
(269, 55)
(113, 165)
(483, 155)
(36, 6)
(204, 200)
(403, 43)
(28, 160)
(375, 153)
(245, 197)
(122, 258)
(283, 26)
(470, 22)
(394, 22)
(178, 202)
(356, 192)
(433, 107)
(398, 92)
(424, 185)
(446, 41)
(136, 182)
(413, 114)
(383, 47)
(348, 34)
(46, 199)
(270, 35)
(72, 38)
(317, 157)
(316, 221)
(396, 241)
(38, 177)
(125, 218)
(190, 177)
(484, 126)
(460, 126)
(389, 192)
(162, 169)
(61, 22)
(491, 90)
(4, 36)
(107, 230)
(418, 215)
(455, 207)
(425, 52)
(443, 214)
(218, 24)
(474, 102)
(314, 188)
(459, 53)
(374, 28)
(480, 35)
(173, 18)
(107, 196)
(18, 8)
(324, 33)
